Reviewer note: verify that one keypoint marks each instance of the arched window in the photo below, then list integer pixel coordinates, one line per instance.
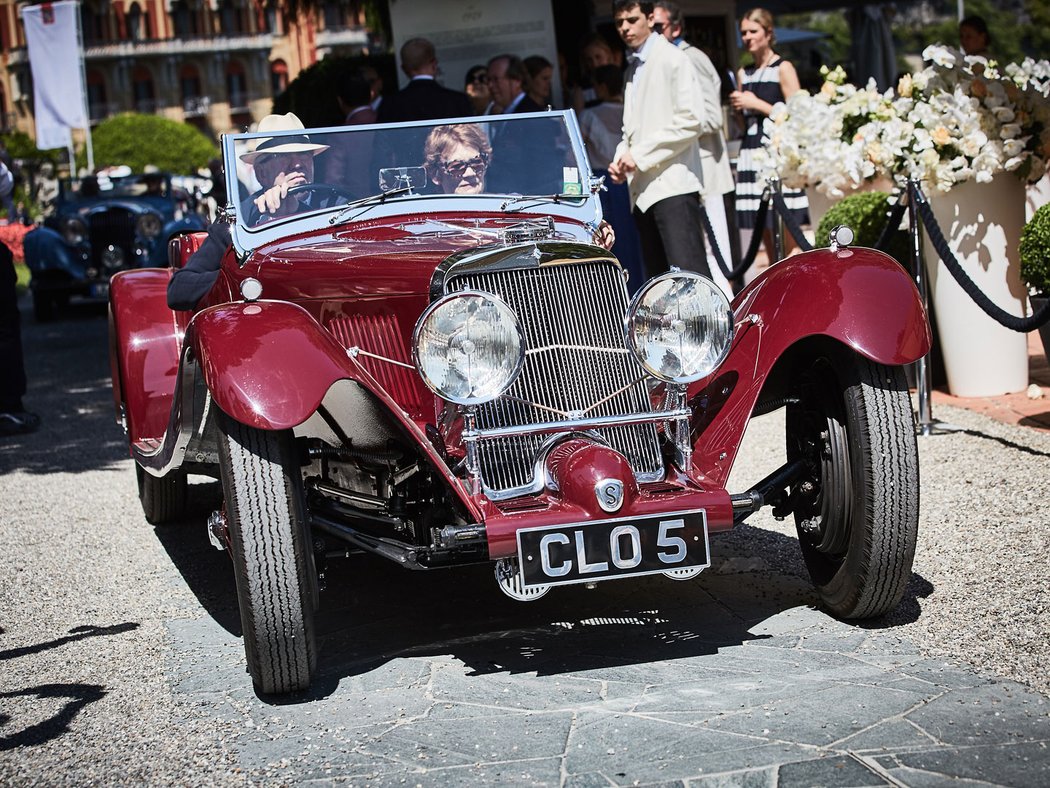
(236, 85)
(334, 14)
(231, 18)
(193, 103)
(272, 17)
(96, 89)
(135, 26)
(278, 77)
(92, 23)
(185, 18)
(143, 90)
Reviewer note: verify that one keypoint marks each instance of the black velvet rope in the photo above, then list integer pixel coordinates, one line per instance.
(752, 250)
(1001, 316)
(790, 222)
(892, 224)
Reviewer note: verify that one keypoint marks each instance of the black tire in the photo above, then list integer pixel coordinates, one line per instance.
(43, 307)
(857, 506)
(263, 488)
(164, 498)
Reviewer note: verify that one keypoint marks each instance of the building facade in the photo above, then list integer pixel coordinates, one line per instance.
(216, 64)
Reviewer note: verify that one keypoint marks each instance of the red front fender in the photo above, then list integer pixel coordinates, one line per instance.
(267, 364)
(859, 297)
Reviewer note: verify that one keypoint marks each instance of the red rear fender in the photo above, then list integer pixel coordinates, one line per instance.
(144, 350)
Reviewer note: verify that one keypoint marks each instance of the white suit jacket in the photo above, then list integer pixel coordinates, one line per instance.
(714, 153)
(662, 118)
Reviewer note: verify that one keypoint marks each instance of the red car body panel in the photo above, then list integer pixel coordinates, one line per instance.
(145, 348)
(269, 364)
(860, 297)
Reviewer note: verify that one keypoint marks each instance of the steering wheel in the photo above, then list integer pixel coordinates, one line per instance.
(322, 190)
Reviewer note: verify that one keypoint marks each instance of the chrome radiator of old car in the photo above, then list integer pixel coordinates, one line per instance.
(577, 366)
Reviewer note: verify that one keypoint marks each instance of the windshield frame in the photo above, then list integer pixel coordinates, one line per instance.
(584, 208)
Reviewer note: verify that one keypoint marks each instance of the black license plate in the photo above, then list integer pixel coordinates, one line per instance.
(609, 549)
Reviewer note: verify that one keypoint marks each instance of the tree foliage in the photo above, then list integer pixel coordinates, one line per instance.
(312, 94)
(141, 140)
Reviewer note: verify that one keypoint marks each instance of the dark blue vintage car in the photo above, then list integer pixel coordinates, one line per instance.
(101, 225)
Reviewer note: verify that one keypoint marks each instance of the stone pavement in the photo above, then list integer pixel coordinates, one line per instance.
(734, 678)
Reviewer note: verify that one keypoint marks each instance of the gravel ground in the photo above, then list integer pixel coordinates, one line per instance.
(89, 592)
(979, 577)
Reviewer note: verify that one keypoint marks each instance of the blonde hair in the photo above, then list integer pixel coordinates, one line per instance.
(764, 18)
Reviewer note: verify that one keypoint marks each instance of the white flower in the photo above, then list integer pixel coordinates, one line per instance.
(940, 55)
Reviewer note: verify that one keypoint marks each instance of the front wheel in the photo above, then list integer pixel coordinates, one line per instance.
(263, 488)
(857, 504)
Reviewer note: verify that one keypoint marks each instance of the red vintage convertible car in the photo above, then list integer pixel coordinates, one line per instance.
(433, 361)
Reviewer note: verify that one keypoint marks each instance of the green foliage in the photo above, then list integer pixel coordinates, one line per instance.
(866, 214)
(1035, 252)
(312, 96)
(138, 140)
(21, 146)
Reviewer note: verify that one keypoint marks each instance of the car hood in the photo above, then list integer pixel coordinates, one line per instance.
(391, 257)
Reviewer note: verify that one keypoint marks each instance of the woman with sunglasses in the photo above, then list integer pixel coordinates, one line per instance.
(456, 158)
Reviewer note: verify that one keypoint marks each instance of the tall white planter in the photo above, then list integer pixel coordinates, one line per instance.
(982, 223)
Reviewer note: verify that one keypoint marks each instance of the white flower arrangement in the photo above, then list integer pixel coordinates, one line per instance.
(958, 119)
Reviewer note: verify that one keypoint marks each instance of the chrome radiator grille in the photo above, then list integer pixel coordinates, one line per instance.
(576, 365)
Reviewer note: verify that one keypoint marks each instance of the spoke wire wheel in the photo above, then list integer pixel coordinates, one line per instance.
(857, 504)
(263, 489)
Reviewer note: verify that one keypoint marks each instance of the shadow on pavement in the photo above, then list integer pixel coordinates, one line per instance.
(373, 611)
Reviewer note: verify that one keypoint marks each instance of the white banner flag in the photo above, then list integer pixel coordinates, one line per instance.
(54, 59)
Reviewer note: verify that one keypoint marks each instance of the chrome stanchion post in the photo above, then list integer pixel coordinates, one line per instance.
(778, 227)
(923, 379)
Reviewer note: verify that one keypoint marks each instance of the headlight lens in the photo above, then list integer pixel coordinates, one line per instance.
(680, 325)
(148, 225)
(74, 230)
(468, 347)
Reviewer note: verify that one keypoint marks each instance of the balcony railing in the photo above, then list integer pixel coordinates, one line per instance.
(239, 101)
(249, 42)
(342, 36)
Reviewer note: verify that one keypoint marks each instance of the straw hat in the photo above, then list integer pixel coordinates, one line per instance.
(293, 143)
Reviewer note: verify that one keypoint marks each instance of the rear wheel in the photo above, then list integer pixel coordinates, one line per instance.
(262, 486)
(857, 505)
(163, 498)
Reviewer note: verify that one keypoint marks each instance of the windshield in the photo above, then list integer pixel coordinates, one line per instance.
(107, 187)
(339, 174)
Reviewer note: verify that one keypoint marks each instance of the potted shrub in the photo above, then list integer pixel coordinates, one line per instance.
(865, 213)
(1035, 266)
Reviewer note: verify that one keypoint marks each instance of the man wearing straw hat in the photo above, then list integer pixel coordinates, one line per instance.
(281, 163)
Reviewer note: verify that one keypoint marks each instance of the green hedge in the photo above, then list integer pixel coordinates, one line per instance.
(866, 214)
(1035, 252)
(141, 140)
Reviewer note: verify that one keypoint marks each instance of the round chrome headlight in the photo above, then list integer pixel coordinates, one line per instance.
(680, 325)
(74, 230)
(468, 347)
(148, 225)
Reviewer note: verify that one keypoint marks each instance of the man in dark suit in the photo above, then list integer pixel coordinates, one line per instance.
(525, 159)
(508, 80)
(423, 98)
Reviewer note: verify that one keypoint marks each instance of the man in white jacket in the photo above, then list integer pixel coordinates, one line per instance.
(659, 156)
(714, 153)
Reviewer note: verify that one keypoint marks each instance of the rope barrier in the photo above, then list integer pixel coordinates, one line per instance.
(894, 221)
(752, 250)
(1001, 316)
(790, 222)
